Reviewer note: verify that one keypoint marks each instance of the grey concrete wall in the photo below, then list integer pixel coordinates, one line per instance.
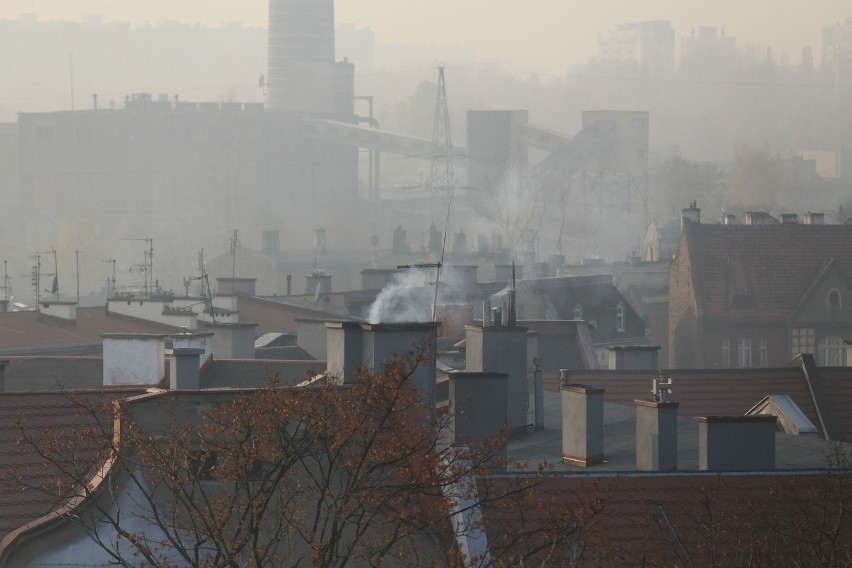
(582, 425)
(656, 436)
(312, 336)
(736, 443)
(504, 350)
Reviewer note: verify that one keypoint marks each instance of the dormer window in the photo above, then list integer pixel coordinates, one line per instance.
(619, 317)
(578, 312)
(833, 301)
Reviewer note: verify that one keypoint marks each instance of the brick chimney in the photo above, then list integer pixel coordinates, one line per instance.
(736, 443)
(582, 424)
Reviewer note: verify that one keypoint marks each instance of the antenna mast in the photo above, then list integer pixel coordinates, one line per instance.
(36, 280)
(110, 261)
(147, 267)
(235, 242)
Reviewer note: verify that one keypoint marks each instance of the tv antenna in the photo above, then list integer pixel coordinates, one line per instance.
(235, 242)
(110, 261)
(54, 285)
(146, 267)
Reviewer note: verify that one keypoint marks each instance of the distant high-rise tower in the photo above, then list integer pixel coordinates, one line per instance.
(303, 76)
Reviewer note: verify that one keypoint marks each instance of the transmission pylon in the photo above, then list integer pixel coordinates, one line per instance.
(441, 177)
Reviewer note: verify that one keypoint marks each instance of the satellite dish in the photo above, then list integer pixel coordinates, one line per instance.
(374, 240)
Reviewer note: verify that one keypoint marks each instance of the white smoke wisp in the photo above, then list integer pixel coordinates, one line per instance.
(409, 297)
(405, 299)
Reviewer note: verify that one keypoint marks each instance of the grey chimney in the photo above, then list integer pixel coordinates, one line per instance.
(184, 373)
(582, 424)
(634, 357)
(232, 340)
(814, 218)
(3, 363)
(133, 358)
(478, 406)
(318, 278)
(789, 218)
(730, 219)
(499, 348)
(656, 435)
(736, 443)
(691, 214)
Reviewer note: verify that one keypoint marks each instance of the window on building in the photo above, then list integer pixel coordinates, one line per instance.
(764, 353)
(578, 312)
(831, 352)
(833, 300)
(744, 353)
(726, 353)
(803, 341)
(619, 317)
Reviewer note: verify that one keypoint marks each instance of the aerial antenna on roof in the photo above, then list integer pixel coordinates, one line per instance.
(5, 283)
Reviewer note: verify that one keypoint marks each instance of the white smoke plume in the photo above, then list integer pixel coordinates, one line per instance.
(409, 297)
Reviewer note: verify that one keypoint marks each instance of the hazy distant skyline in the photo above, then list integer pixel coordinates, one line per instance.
(536, 35)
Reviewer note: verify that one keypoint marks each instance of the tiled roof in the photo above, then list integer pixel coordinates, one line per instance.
(32, 332)
(276, 316)
(772, 265)
(675, 519)
(38, 412)
(703, 392)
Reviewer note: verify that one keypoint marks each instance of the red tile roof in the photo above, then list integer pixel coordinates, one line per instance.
(30, 329)
(37, 412)
(678, 519)
(703, 392)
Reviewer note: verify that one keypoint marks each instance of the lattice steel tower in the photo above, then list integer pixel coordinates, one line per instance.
(441, 178)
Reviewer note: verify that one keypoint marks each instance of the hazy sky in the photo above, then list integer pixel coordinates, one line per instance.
(534, 34)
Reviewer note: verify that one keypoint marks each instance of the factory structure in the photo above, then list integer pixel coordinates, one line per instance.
(76, 178)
